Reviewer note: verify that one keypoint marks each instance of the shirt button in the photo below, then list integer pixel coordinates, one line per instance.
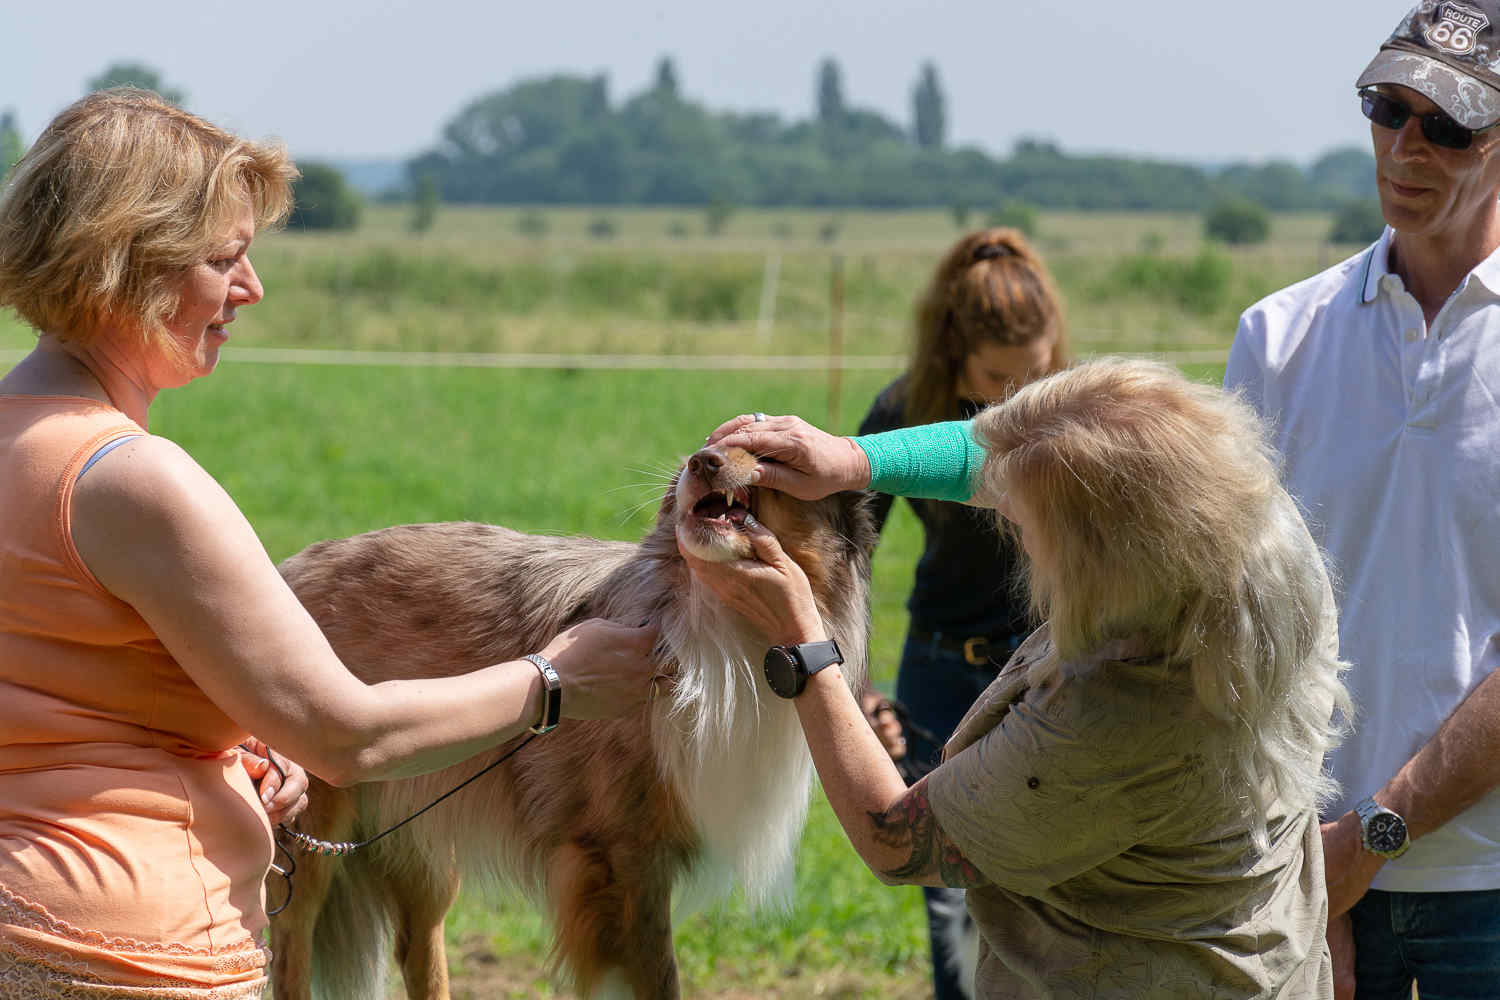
(1411, 335)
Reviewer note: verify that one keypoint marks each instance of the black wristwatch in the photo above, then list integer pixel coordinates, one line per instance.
(788, 667)
(1381, 831)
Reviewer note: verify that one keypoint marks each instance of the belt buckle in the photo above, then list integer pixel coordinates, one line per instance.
(975, 650)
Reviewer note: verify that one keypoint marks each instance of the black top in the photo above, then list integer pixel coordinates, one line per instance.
(966, 580)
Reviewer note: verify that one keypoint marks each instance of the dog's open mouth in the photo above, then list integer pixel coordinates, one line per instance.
(729, 507)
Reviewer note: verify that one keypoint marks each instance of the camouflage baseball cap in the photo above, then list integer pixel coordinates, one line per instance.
(1448, 51)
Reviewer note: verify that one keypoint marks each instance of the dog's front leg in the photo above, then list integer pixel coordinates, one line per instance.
(421, 904)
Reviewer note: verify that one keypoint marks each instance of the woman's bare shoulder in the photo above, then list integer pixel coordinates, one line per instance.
(145, 501)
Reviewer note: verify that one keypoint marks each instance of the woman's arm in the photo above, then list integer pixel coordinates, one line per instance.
(159, 533)
(891, 827)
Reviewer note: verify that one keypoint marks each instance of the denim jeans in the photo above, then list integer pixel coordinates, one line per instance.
(937, 686)
(1448, 942)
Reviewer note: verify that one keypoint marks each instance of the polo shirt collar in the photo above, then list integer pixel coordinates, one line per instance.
(1378, 260)
(1488, 272)
(1377, 265)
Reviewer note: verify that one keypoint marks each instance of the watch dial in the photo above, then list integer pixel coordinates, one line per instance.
(1386, 832)
(781, 673)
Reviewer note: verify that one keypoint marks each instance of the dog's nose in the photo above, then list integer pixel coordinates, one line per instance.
(706, 463)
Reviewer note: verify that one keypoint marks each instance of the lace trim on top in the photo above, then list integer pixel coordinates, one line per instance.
(24, 979)
(31, 971)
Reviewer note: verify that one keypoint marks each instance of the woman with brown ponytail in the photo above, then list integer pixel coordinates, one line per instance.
(989, 322)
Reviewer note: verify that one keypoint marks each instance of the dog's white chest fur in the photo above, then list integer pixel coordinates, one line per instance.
(736, 754)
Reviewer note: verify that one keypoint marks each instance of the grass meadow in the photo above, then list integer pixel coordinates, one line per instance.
(318, 451)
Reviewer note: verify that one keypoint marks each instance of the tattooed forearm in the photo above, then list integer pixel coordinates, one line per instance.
(910, 826)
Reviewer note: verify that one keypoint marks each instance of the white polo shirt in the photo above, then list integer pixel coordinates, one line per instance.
(1390, 433)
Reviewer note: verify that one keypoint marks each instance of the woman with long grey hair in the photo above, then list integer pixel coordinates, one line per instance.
(1133, 803)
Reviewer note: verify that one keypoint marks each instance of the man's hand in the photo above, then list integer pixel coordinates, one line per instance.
(1348, 867)
(281, 782)
(1341, 947)
(882, 718)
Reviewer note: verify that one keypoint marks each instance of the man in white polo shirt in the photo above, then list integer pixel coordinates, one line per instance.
(1381, 380)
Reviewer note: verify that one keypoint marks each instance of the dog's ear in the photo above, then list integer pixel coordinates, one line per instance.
(857, 523)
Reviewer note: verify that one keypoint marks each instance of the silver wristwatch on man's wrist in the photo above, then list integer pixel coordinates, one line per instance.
(1382, 831)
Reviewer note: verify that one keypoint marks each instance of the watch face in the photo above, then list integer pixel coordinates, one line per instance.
(1385, 832)
(782, 673)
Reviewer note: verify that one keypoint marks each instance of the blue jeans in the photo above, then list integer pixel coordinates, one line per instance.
(1448, 942)
(937, 686)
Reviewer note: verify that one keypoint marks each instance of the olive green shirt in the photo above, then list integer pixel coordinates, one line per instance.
(1118, 866)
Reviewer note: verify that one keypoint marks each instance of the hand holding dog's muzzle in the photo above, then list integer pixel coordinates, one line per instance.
(771, 590)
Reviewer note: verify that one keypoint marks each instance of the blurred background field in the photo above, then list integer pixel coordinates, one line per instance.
(318, 450)
(501, 279)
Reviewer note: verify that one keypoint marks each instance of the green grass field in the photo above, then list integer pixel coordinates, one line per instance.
(475, 282)
(311, 452)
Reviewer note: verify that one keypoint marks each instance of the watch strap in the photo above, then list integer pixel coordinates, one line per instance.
(814, 656)
(551, 693)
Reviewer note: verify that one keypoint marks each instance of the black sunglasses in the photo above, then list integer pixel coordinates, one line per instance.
(1437, 127)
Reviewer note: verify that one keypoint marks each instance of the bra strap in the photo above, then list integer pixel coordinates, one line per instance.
(104, 449)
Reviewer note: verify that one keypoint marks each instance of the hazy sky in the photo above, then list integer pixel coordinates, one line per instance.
(1201, 80)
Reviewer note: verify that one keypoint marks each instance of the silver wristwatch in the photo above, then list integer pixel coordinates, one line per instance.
(1381, 831)
(551, 693)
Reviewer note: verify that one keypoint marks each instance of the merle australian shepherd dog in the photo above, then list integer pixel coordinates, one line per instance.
(600, 823)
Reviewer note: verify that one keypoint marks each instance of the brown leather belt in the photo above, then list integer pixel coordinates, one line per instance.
(977, 650)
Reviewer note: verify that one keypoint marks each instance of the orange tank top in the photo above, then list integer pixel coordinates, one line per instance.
(132, 846)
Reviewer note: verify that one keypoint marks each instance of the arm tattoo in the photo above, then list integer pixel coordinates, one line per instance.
(910, 824)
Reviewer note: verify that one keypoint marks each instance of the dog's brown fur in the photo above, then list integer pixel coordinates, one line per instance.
(596, 821)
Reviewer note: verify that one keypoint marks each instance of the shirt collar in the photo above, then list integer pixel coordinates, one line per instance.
(1488, 272)
(1377, 265)
(1378, 260)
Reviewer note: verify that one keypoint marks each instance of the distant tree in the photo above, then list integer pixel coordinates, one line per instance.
(1238, 222)
(12, 147)
(424, 202)
(929, 119)
(602, 227)
(666, 77)
(1032, 146)
(829, 231)
(1359, 221)
(322, 199)
(960, 212)
(1016, 215)
(830, 93)
(1276, 185)
(133, 74)
(1343, 174)
(532, 224)
(716, 216)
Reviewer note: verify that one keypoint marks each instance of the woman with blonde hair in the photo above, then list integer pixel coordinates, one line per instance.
(1133, 804)
(989, 322)
(144, 632)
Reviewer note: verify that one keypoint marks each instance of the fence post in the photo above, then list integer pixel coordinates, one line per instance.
(836, 345)
(767, 317)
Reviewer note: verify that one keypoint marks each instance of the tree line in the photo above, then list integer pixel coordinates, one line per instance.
(560, 139)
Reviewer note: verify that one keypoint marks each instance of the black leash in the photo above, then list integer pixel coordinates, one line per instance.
(329, 848)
